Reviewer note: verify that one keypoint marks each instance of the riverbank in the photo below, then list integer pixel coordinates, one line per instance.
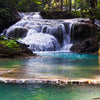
(10, 48)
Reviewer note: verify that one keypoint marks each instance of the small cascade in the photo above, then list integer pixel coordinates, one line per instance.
(37, 15)
(67, 37)
(40, 41)
(41, 34)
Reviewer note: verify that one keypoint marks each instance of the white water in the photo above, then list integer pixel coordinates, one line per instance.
(43, 34)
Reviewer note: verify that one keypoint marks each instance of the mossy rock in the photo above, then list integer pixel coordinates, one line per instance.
(12, 48)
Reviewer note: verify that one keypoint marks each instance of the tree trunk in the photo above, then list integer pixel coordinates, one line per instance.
(49, 3)
(66, 5)
(75, 5)
(70, 5)
(61, 4)
(42, 2)
(96, 3)
(92, 3)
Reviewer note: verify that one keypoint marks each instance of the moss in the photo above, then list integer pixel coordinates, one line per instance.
(8, 46)
(10, 43)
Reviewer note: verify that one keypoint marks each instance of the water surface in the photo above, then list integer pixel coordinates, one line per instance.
(54, 65)
(51, 65)
(47, 92)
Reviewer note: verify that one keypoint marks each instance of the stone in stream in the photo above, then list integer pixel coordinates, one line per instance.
(16, 32)
(87, 46)
(55, 82)
(82, 31)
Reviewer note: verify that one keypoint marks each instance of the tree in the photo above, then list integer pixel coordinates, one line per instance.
(93, 3)
(61, 4)
(75, 5)
(70, 5)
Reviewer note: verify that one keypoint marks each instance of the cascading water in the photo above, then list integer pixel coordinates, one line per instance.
(41, 34)
(67, 39)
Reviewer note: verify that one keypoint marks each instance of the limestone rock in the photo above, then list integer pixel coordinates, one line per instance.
(87, 46)
(82, 31)
(16, 32)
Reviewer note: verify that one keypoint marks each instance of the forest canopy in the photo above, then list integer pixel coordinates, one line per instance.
(50, 5)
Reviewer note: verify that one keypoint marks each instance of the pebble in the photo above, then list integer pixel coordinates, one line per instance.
(54, 81)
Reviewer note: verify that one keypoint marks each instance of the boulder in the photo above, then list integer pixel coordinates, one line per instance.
(87, 46)
(82, 31)
(16, 32)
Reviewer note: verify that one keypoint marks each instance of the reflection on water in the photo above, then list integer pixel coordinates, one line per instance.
(48, 92)
(54, 64)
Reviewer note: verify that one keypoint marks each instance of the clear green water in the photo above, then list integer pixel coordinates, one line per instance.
(47, 92)
(52, 64)
(55, 64)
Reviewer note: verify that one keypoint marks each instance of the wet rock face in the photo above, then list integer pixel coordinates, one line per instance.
(86, 46)
(82, 31)
(83, 37)
(18, 32)
(56, 31)
(67, 29)
(58, 34)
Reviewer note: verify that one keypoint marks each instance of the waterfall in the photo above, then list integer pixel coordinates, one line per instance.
(37, 15)
(41, 34)
(67, 37)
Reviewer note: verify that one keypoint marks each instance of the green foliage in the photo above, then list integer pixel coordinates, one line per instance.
(53, 6)
(77, 13)
(1, 38)
(97, 14)
(5, 18)
(4, 13)
(94, 13)
(29, 5)
(10, 44)
(98, 5)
